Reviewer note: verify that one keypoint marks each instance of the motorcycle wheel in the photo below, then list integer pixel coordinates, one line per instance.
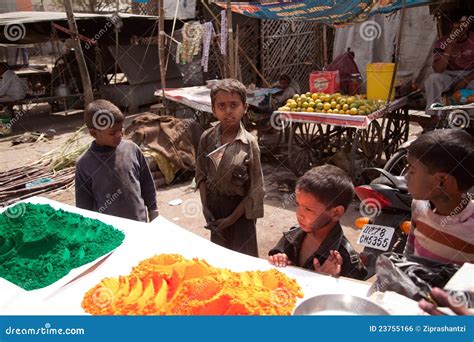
(397, 165)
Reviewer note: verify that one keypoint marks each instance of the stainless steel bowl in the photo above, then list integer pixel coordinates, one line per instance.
(338, 304)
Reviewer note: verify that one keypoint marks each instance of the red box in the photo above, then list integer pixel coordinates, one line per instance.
(324, 82)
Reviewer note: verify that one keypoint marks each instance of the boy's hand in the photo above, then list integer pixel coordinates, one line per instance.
(442, 298)
(279, 260)
(152, 214)
(208, 216)
(221, 224)
(332, 265)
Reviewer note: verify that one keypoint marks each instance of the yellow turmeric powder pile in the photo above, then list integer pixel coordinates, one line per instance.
(169, 284)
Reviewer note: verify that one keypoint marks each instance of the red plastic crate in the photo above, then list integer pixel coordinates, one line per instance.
(324, 82)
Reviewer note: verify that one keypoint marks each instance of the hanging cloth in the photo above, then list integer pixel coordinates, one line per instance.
(208, 32)
(223, 32)
(191, 46)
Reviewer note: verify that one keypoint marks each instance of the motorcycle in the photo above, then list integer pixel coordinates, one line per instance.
(457, 116)
(386, 209)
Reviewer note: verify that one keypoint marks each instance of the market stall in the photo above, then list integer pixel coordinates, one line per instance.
(142, 241)
(111, 43)
(313, 137)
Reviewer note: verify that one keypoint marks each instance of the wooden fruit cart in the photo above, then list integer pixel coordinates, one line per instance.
(313, 138)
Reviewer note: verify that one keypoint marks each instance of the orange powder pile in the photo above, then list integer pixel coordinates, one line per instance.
(169, 284)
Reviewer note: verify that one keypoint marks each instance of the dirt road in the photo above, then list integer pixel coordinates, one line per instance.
(279, 200)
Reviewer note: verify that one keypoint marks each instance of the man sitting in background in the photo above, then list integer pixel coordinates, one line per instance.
(288, 88)
(11, 88)
(453, 62)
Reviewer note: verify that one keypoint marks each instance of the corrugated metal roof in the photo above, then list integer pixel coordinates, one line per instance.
(35, 17)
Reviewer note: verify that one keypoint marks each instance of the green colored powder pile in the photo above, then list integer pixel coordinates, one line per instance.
(39, 245)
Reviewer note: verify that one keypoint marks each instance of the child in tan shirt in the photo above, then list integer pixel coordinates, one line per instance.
(229, 173)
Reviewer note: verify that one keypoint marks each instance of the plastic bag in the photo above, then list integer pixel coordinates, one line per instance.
(411, 276)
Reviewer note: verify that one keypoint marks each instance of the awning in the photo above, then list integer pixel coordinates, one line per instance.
(36, 17)
(323, 11)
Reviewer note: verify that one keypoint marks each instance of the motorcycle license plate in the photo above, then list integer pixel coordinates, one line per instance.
(375, 236)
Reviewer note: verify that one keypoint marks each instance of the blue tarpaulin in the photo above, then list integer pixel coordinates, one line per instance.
(323, 11)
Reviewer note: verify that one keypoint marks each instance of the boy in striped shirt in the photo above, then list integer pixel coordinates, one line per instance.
(440, 175)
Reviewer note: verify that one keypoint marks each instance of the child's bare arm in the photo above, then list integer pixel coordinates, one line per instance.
(279, 260)
(208, 216)
(280, 254)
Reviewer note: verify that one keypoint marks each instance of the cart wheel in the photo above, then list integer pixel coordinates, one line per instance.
(396, 131)
(273, 139)
(366, 150)
(371, 142)
(305, 146)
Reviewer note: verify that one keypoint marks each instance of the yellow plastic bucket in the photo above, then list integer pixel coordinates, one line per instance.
(379, 78)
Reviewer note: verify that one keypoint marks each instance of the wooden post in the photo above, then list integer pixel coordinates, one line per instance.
(81, 62)
(238, 73)
(230, 39)
(117, 7)
(161, 45)
(397, 53)
(325, 46)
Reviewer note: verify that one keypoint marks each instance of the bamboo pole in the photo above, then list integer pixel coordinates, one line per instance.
(236, 56)
(396, 62)
(397, 53)
(172, 34)
(230, 42)
(117, 7)
(161, 46)
(252, 65)
(81, 62)
(325, 45)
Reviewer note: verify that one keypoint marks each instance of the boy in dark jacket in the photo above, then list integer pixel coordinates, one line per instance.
(318, 243)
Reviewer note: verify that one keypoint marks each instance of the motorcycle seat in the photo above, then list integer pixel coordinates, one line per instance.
(399, 182)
